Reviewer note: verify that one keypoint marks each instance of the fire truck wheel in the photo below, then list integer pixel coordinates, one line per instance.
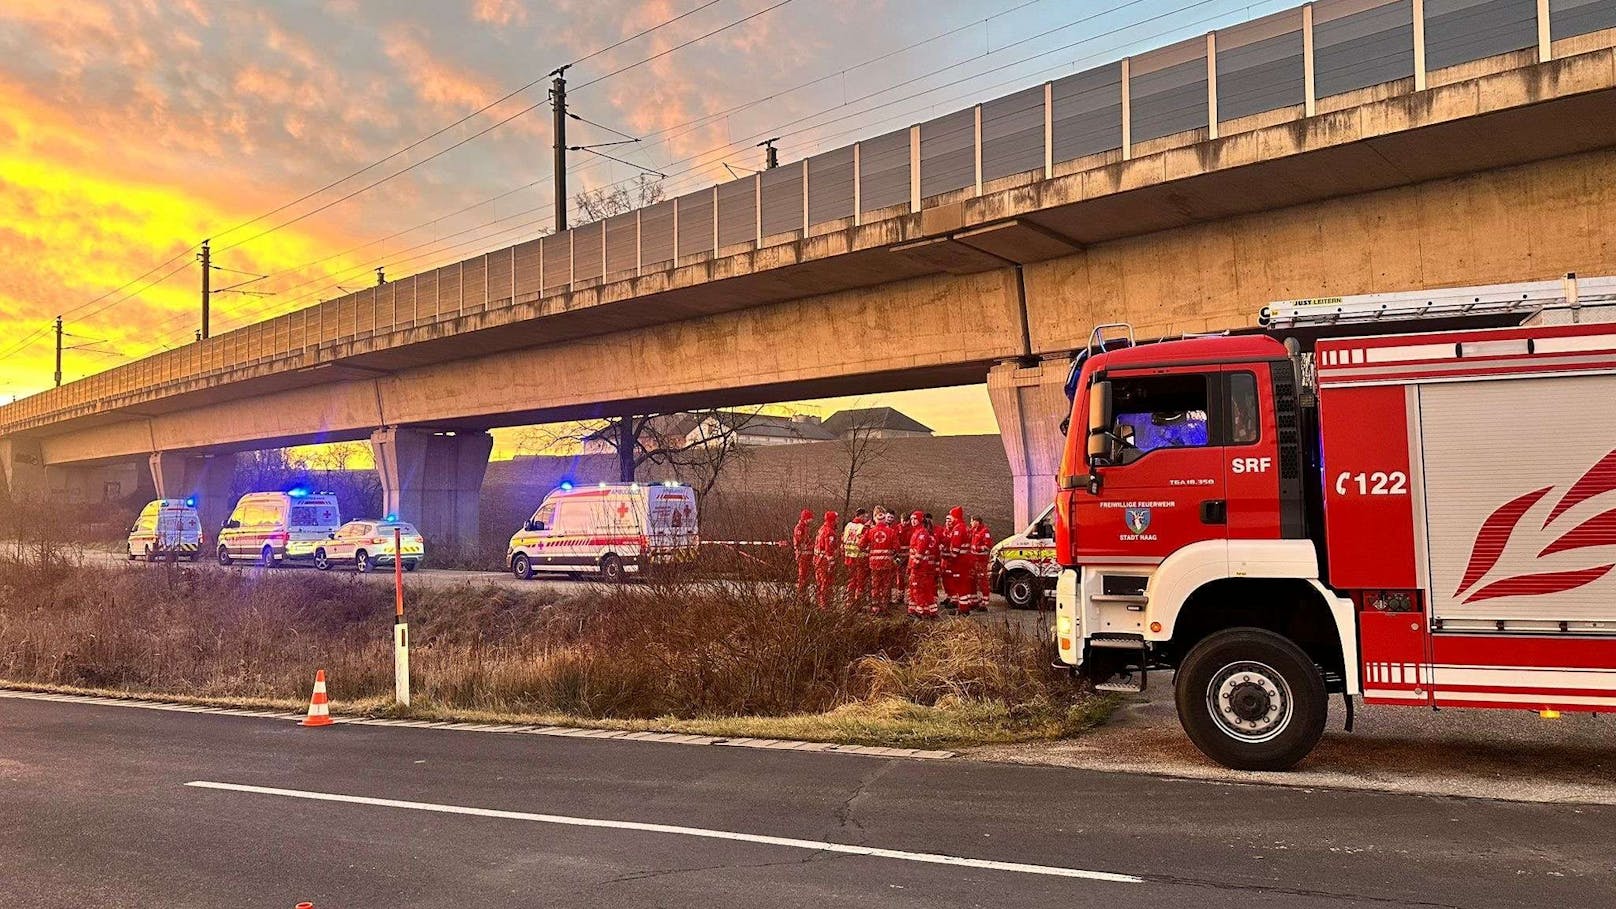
(611, 569)
(1251, 700)
(521, 567)
(1021, 589)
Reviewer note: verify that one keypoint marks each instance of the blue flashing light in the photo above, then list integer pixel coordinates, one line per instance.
(566, 484)
(190, 502)
(392, 519)
(297, 492)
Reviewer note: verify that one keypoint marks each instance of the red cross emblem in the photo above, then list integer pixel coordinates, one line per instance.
(622, 509)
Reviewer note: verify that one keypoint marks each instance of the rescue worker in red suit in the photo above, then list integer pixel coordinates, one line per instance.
(922, 570)
(802, 543)
(826, 549)
(856, 555)
(883, 562)
(981, 559)
(954, 544)
(901, 563)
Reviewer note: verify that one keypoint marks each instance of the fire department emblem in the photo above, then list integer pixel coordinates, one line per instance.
(1137, 519)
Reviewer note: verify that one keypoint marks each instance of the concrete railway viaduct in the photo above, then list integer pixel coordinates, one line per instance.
(974, 247)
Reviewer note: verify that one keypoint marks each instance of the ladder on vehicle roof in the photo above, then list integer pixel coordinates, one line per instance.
(1524, 299)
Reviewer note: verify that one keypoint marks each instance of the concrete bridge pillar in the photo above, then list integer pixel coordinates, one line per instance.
(434, 481)
(206, 478)
(1029, 403)
(22, 466)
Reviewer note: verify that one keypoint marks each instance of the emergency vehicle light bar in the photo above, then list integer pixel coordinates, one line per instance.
(1493, 300)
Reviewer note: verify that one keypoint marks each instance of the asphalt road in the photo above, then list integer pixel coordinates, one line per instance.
(99, 807)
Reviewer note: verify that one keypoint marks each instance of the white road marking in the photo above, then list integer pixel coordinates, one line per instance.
(930, 858)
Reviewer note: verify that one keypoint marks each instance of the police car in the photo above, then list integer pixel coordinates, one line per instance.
(1024, 567)
(366, 544)
(610, 530)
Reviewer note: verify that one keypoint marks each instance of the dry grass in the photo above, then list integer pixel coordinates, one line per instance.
(716, 658)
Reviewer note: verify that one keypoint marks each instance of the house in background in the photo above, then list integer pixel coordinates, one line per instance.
(875, 423)
(665, 431)
(745, 428)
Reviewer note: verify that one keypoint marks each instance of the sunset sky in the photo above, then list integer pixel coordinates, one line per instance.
(132, 129)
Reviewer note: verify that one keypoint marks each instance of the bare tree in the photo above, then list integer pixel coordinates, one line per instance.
(335, 455)
(861, 445)
(718, 433)
(606, 201)
(694, 444)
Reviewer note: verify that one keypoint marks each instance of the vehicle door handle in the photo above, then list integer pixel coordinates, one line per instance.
(1215, 511)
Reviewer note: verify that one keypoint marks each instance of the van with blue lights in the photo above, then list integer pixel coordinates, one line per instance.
(609, 530)
(166, 529)
(272, 528)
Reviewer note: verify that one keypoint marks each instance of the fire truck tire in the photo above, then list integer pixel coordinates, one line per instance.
(611, 569)
(521, 567)
(1021, 589)
(1251, 700)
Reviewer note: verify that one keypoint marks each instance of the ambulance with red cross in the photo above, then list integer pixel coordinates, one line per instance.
(610, 530)
(1409, 499)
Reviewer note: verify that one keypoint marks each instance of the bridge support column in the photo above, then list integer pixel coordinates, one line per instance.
(22, 466)
(1029, 403)
(434, 480)
(205, 478)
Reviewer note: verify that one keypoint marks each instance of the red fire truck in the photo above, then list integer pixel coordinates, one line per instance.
(1390, 503)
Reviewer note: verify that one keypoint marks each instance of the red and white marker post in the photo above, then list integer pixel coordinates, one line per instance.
(401, 629)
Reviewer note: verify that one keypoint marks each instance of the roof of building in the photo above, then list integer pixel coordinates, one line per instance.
(669, 426)
(763, 425)
(872, 418)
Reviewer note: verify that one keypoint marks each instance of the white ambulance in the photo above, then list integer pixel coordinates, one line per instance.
(166, 529)
(611, 530)
(276, 527)
(1024, 567)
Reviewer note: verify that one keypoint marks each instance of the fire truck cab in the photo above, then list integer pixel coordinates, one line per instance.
(1420, 519)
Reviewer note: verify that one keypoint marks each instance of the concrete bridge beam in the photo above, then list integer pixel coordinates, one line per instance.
(22, 464)
(433, 480)
(206, 478)
(1029, 403)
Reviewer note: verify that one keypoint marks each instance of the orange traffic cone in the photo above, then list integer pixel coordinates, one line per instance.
(319, 713)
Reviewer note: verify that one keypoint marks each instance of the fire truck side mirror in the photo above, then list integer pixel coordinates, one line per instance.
(1101, 441)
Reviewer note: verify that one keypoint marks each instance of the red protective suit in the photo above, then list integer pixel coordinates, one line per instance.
(901, 575)
(957, 562)
(825, 553)
(982, 560)
(883, 563)
(802, 543)
(922, 571)
(856, 556)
